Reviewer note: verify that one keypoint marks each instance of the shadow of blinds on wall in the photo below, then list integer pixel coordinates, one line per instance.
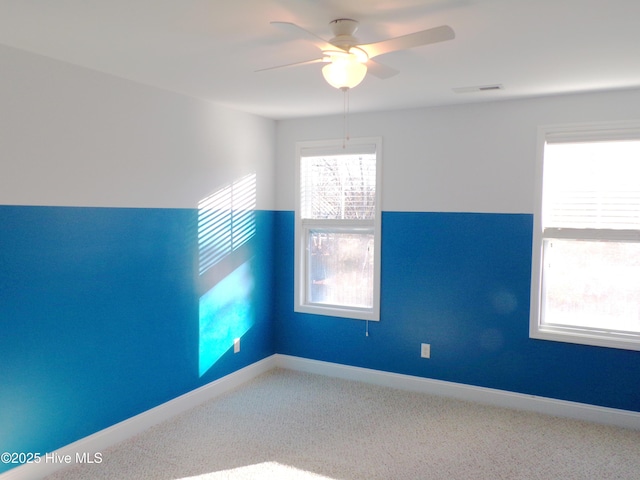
(226, 221)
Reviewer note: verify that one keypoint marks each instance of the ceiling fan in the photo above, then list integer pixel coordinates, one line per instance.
(347, 60)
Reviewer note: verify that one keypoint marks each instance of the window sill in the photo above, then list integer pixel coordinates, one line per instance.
(331, 311)
(585, 337)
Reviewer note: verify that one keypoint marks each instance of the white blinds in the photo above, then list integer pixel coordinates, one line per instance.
(338, 187)
(592, 185)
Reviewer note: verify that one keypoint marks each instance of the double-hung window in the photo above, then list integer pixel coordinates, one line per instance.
(337, 228)
(586, 249)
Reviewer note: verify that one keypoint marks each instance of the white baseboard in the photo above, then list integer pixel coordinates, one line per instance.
(126, 429)
(488, 396)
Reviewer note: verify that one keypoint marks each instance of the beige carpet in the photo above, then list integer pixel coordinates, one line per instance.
(290, 425)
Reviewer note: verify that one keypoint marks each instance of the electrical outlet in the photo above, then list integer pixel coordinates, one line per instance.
(236, 345)
(425, 350)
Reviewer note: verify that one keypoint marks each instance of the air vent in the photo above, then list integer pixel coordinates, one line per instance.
(479, 88)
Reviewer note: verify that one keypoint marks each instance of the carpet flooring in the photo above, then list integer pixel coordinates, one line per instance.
(290, 425)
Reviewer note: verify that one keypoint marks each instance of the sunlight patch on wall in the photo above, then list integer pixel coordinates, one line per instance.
(226, 221)
(264, 470)
(225, 313)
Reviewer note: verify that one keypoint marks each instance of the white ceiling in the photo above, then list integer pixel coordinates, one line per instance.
(210, 49)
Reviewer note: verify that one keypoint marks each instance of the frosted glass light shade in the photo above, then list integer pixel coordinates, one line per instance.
(344, 72)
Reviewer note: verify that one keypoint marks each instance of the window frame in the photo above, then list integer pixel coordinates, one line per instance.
(303, 226)
(573, 133)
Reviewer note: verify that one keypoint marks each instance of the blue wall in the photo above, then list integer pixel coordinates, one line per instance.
(459, 281)
(99, 316)
(100, 310)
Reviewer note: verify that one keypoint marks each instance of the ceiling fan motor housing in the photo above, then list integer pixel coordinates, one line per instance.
(343, 30)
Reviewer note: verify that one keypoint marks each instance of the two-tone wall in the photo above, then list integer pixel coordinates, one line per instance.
(458, 199)
(141, 232)
(111, 301)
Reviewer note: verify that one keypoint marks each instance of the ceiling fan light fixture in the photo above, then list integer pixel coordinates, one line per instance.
(344, 71)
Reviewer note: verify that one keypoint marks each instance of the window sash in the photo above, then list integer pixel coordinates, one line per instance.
(591, 284)
(309, 273)
(338, 186)
(592, 184)
(337, 223)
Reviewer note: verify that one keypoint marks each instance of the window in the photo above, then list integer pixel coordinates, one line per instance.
(586, 255)
(337, 250)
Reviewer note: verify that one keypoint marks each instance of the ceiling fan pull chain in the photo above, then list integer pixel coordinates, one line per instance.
(345, 115)
(347, 119)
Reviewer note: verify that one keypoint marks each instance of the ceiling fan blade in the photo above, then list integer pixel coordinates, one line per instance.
(294, 29)
(379, 70)
(294, 64)
(424, 37)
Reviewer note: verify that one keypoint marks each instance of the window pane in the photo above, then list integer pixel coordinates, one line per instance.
(338, 187)
(592, 185)
(592, 284)
(341, 268)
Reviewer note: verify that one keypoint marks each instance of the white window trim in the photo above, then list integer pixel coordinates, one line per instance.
(355, 145)
(573, 133)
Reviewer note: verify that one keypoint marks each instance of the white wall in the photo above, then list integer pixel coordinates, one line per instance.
(72, 136)
(468, 158)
